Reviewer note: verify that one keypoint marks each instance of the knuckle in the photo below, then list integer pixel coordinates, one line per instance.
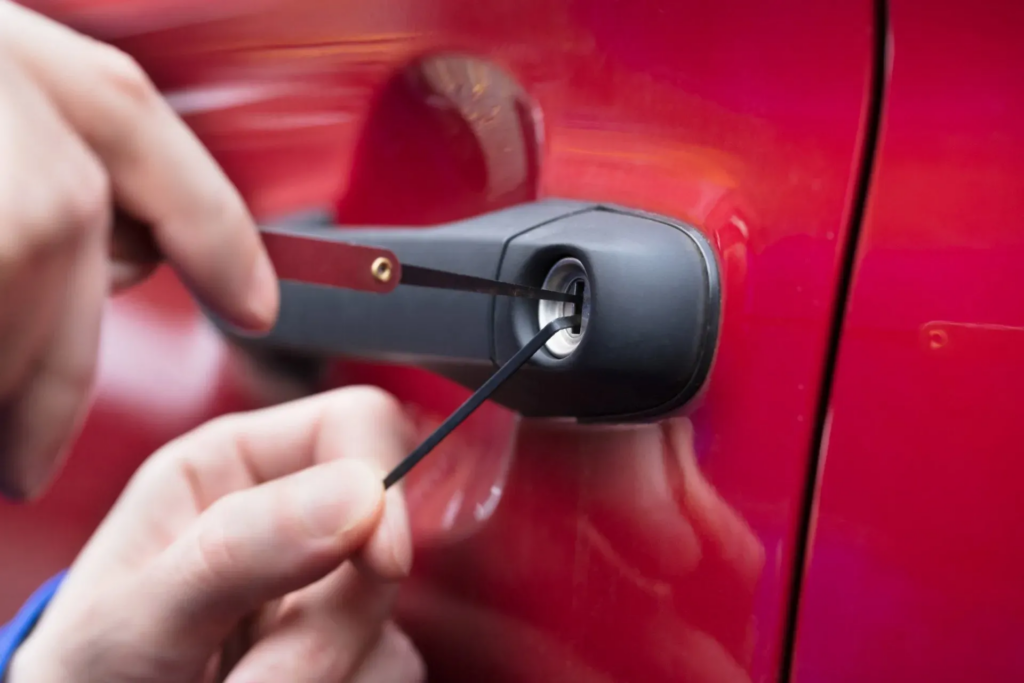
(215, 429)
(216, 551)
(155, 470)
(43, 220)
(121, 72)
(177, 456)
(217, 433)
(373, 403)
(87, 202)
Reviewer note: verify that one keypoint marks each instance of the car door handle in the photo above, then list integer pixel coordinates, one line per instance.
(646, 289)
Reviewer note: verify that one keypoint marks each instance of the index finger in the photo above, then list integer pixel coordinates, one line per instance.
(235, 453)
(243, 451)
(159, 171)
(238, 452)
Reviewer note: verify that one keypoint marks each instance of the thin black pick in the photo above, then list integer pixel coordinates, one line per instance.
(478, 397)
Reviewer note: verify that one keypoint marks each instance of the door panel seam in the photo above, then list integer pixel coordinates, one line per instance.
(877, 89)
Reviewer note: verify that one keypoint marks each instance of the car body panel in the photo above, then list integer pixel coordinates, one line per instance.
(546, 550)
(916, 560)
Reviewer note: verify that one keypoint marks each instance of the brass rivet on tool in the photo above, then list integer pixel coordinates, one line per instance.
(382, 269)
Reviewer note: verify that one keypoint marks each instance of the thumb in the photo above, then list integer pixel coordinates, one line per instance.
(259, 544)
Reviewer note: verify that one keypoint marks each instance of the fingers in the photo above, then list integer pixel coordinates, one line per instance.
(310, 640)
(252, 479)
(51, 245)
(324, 631)
(255, 509)
(49, 411)
(388, 554)
(240, 451)
(361, 423)
(236, 453)
(393, 659)
(159, 171)
(254, 546)
(389, 551)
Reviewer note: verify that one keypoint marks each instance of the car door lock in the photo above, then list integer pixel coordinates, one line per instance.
(642, 293)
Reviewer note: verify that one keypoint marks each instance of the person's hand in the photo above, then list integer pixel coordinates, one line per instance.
(85, 137)
(225, 558)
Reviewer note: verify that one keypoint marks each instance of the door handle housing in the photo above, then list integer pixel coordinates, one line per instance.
(651, 300)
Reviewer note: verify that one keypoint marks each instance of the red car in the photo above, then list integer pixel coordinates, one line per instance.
(818, 476)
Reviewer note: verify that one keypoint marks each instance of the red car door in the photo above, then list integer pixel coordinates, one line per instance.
(917, 555)
(546, 550)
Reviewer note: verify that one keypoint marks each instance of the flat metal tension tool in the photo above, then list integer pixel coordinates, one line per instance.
(371, 269)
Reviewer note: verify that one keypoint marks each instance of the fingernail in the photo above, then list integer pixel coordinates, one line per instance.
(344, 496)
(399, 536)
(264, 295)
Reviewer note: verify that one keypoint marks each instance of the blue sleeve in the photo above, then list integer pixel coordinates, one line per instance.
(14, 634)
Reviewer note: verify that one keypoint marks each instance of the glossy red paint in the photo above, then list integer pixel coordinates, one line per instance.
(916, 565)
(546, 551)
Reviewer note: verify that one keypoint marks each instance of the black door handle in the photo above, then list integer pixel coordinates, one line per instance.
(649, 287)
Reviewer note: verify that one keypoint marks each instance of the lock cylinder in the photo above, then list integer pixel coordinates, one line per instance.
(569, 276)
